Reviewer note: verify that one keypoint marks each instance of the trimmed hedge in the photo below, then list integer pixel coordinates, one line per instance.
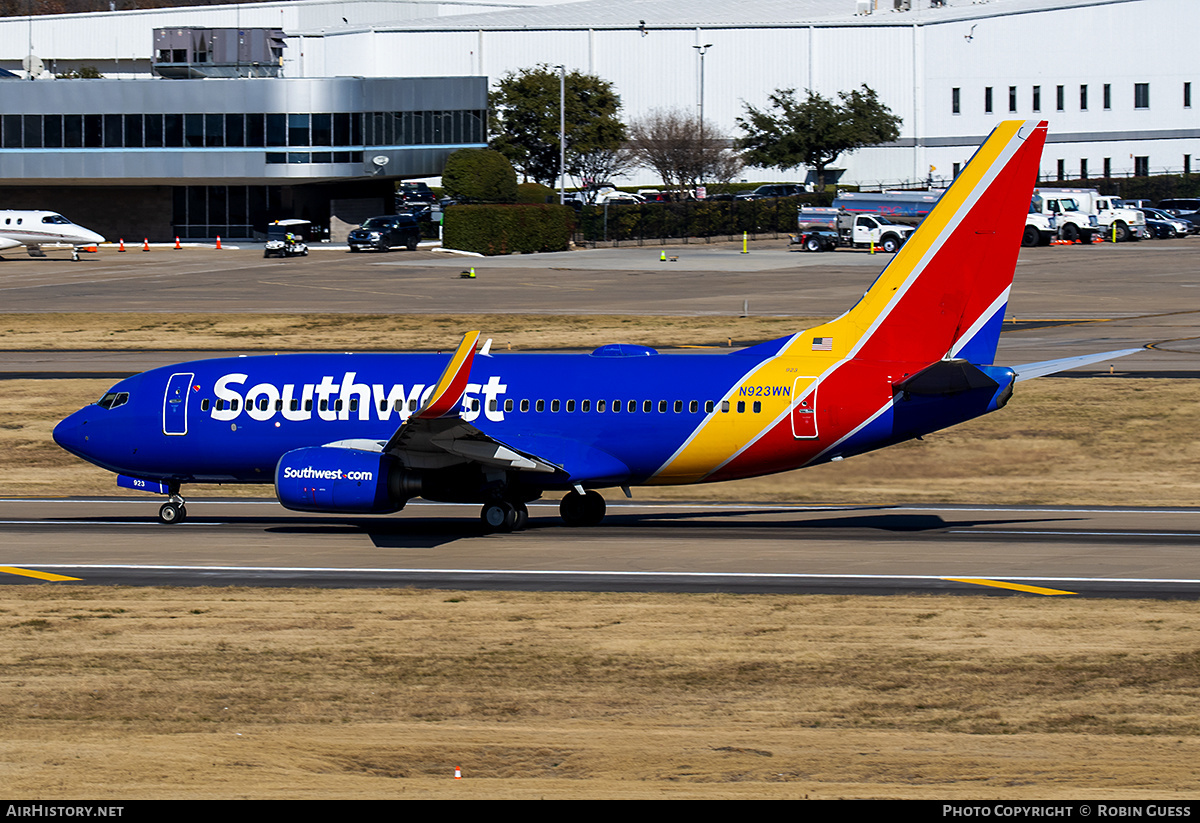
(517, 229)
(694, 218)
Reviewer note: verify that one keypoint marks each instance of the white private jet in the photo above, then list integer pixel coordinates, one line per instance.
(34, 229)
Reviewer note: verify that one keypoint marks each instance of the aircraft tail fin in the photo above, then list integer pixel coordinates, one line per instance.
(945, 292)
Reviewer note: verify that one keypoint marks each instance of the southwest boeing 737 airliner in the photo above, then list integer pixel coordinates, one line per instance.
(362, 434)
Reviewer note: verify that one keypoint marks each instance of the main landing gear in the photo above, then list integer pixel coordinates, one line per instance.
(174, 510)
(585, 509)
(577, 509)
(504, 516)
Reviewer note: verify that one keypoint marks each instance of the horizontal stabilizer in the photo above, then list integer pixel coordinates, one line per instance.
(1045, 367)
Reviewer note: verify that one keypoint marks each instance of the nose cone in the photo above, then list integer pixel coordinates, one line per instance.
(90, 237)
(72, 433)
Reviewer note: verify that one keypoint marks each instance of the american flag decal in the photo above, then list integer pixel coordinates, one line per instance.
(822, 344)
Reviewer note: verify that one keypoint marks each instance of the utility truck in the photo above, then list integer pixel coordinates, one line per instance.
(1090, 211)
(825, 229)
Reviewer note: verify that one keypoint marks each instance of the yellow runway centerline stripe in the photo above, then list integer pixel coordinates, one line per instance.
(38, 575)
(1001, 584)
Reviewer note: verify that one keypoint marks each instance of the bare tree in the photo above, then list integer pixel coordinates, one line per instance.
(673, 144)
(589, 170)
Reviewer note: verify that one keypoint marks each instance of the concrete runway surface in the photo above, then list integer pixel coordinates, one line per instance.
(1031, 551)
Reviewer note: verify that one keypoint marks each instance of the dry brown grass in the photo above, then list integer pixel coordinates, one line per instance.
(118, 693)
(1098, 441)
(376, 332)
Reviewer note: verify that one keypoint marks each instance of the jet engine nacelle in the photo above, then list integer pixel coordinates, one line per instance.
(337, 481)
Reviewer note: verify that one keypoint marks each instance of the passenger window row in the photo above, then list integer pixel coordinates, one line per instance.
(585, 406)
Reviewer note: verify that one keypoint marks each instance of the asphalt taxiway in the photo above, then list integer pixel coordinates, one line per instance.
(1031, 551)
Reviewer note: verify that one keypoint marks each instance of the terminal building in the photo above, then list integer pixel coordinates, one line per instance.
(201, 158)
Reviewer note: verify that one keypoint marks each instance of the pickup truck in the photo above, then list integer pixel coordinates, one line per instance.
(822, 229)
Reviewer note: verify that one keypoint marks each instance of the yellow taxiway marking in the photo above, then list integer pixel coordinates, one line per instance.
(38, 575)
(1000, 584)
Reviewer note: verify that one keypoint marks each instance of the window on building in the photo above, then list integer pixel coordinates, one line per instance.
(1107, 96)
(956, 169)
(1141, 167)
(1083, 171)
(1060, 98)
(955, 106)
(1187, 95)
(1107, 167)
(1062, 170)
(1141, 95)
(987, 100)
(1037, 98)
(1012, 98)
(1083, 98)
(1187, 164)
(52, 135)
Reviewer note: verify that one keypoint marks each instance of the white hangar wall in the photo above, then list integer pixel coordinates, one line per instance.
(913, 61)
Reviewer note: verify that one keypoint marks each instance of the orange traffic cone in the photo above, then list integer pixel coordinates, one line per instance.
(177, 243)
(146, 244)
(121, 247)
(218, 241)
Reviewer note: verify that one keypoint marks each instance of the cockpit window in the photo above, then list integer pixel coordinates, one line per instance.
(57, 219)
(113, 399)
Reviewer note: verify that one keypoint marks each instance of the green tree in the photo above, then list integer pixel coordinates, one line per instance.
(480, 176)
(525, 122)
(815, 131)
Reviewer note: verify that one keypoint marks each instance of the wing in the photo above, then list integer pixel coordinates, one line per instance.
(1045, 367)
(436, 436)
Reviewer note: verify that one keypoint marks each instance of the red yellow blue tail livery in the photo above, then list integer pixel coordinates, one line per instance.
(363, 434)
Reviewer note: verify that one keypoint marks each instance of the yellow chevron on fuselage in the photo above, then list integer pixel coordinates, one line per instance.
(772, 384)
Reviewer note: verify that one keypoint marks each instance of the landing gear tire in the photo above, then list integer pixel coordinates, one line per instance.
(522, 519)
(499, 516)
(172, 513)
(585, 509)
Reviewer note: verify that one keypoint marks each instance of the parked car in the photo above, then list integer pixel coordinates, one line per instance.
(1166, 225)
(414, 198)
(385, 233)
(1186, 207)
(773, 190)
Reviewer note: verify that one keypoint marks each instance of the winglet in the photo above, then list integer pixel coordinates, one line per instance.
(453, 382)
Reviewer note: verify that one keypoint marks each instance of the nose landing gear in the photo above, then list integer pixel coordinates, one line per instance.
(174, 510)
